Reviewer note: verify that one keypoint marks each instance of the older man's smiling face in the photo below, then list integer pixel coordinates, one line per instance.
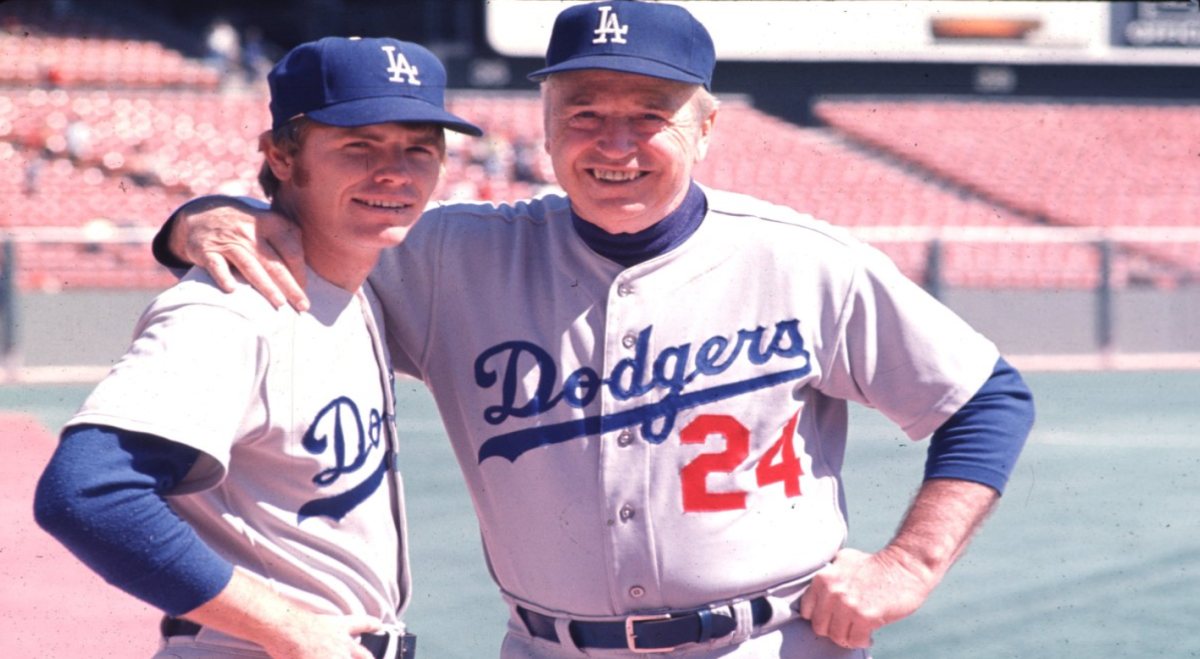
(623, 146)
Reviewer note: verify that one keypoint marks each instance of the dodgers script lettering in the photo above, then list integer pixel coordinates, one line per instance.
(338, 432)
(514, 363)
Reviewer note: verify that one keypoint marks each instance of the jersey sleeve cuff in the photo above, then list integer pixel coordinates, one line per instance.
(996, 479)
(162, 252)
(193, 578)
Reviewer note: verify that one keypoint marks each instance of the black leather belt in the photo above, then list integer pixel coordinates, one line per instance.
(178, 627)
(376, 644)
(646, 633)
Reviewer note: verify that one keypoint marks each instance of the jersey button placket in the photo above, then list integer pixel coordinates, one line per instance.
(625, 470)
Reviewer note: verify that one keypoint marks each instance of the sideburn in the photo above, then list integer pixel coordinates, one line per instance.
(300, 175)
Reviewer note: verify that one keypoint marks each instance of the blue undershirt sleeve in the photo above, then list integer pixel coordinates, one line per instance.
(162, 253)
(103, 497)
(981, 441)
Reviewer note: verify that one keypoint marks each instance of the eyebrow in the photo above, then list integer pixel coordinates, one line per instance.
(579, 98)
(426, 135)
(649, 100)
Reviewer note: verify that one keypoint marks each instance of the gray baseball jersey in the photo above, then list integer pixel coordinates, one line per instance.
(671, 434)
(292, 414)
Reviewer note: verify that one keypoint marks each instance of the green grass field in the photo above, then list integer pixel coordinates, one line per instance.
(1093, 554)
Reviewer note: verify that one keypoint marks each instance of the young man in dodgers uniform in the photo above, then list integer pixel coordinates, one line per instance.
(269, 432)
(645, 381)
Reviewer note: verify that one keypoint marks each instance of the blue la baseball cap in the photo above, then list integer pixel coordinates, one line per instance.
(646, 38)
(354, 82)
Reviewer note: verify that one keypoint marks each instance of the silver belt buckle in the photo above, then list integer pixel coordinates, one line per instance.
(631, 638)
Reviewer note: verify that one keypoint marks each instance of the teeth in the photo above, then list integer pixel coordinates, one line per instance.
(614, 175)
(382, 204)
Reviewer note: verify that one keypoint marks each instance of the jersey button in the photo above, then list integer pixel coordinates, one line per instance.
(624, 290)
(626, 513)
(625, 438)
(629, 341)
(637, 591)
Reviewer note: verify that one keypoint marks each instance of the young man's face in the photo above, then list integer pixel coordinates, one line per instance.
(623, 146)
(360, 189)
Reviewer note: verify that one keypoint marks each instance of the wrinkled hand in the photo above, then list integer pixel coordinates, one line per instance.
(858, 593)
(220, 235)
(249, 608)
(321, 637)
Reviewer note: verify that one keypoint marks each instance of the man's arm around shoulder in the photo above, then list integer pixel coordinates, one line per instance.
(221, 233)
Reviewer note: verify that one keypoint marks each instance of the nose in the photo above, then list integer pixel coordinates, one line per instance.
(616, 137)
(391, 167)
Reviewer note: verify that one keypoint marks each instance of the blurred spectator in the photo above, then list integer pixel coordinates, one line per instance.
(97, 233)
(224, 49)
(12, 26)
(78, 140)
(526, 161)
(488, 153)
(33, 172)
(52, 77)
(255, 62)
(141, 168)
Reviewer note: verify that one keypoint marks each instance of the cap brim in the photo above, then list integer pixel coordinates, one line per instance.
(622, 64)
(386, 109)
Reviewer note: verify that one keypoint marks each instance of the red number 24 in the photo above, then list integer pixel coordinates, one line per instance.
(778, 465)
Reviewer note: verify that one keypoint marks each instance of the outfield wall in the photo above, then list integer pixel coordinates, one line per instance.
(92, 328)
(1064, 321)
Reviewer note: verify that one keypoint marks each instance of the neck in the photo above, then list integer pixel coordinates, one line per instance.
(344, 270)
(344, 267)
(639, 223)
(629, 249)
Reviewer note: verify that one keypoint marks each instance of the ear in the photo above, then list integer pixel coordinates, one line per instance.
(546, 128)
(547, 90)
(706, 129)
(282, 164)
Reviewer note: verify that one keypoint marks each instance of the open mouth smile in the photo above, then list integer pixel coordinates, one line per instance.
(615, 176)
(383, 205)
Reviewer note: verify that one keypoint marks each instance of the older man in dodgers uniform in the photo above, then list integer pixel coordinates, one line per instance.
(646, 381)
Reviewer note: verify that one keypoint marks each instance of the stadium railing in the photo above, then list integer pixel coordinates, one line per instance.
(1098, 265)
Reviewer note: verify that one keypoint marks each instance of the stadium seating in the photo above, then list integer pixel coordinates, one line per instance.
(1060, 164)
(826, 174)
(72, 62)
(45, 45)
(1077, 164)
(149, 151)
(101, 126)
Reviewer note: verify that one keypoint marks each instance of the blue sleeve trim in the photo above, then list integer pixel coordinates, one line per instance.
(103, 496)
(162, 253)
(981, 442)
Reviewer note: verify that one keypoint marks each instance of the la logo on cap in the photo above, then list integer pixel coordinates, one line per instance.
(400, 67)
(668, 42)
(610, 26)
